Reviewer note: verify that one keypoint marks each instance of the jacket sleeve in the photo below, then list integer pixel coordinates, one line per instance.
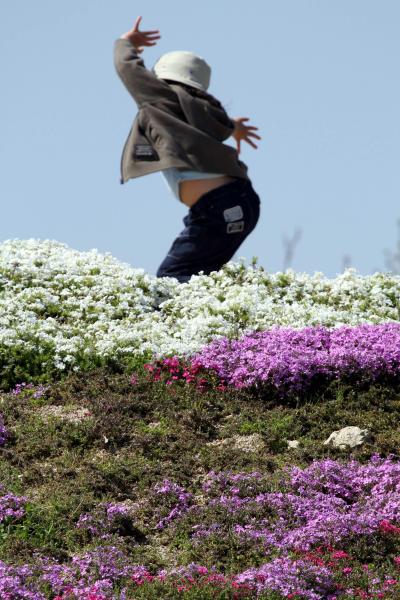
(142, 84)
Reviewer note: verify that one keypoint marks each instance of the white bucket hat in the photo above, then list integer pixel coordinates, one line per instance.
(185, 67)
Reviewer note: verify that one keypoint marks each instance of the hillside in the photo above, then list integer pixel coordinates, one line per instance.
(165, 440)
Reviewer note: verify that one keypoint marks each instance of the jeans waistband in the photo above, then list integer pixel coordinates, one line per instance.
(213, 196)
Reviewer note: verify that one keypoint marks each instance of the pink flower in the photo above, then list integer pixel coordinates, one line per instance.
(340, 554)
(202, 570)
(387, 527)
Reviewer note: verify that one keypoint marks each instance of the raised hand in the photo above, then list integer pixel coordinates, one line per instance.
(141, 38)
(243, 132)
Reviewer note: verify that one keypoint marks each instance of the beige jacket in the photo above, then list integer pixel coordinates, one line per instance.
(171, 128)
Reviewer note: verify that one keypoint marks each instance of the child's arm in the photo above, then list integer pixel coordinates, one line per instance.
(243, 132)
(141, 83)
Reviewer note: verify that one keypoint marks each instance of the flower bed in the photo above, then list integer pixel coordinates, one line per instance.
(63, 310)
(290, 361)
(293, 361)
(300, 531)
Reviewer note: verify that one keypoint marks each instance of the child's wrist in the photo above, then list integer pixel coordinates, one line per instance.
(128, 38)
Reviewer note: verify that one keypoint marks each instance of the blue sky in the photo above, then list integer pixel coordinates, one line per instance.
(318, 77)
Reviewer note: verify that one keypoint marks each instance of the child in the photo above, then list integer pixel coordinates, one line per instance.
(179, 130)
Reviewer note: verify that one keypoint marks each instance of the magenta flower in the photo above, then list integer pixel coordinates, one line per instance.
(292, 360)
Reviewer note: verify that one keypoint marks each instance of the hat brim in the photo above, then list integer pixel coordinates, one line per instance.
(174, 77)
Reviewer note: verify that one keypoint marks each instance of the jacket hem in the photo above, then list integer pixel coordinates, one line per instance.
(140, 170)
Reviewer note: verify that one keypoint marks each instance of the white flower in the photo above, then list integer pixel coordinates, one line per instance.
(55, 299)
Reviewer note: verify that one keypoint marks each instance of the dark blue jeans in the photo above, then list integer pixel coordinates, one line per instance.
(215, 227)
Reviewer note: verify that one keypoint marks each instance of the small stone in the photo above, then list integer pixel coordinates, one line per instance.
(293, 443)
(219, 442)
(245, 443)
(73, 414)
(249, 443)
(100, 455)
(348, 437)
(128, 504)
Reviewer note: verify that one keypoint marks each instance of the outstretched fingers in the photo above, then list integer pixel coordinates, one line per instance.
(250, 142)
(137, 23)
(146, 33)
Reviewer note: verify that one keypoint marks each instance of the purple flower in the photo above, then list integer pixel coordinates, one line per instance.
(11, 506)
(14, 584)
(291, 360)
(177, 496)
(290, 576)
(103, 517)
(323, 504)
(3, 432)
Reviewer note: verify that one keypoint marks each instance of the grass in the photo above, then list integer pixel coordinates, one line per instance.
(134, 436)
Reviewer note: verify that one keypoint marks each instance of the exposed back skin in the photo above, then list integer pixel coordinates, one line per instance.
(192, 189)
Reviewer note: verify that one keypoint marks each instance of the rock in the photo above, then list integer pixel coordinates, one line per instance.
(218, 443)
(293, 443)
(348, 437)
(245, 443)
(73, 414)
(129, 504)
(248, 443)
